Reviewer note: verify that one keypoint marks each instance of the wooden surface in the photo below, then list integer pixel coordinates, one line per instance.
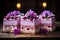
(11, 35)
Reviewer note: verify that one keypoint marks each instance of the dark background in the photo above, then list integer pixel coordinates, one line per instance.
(10, 5)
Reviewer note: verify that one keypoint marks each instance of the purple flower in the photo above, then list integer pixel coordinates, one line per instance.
(13, 13)
(45, 31)
(16, 31)
(31, 13)
(46, 12)
(16, 12)
(8, 14)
